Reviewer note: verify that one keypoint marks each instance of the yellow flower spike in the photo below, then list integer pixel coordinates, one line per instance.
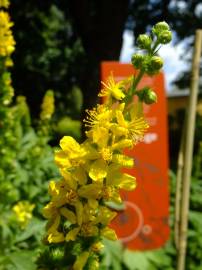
(81, 261)
(91, 191)
(108, 233)
(47, 106)
(69, 215)
(56, 237)
(71, 235)
(112, 89)
(98, 170)
(7, 42)
(50, 210)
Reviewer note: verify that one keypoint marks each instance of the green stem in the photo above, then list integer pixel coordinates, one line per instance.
(134, 85)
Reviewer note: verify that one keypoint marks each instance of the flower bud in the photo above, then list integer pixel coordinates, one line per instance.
(160, 27)
(137, 60)
(156, 63)
(165, 37)
(147, 95)
(144, 41)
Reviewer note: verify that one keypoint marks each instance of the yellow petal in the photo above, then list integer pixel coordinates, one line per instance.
(120, 119)
(56, 237)
(105, 215)
(91, 191)
(98, 170)
(50, 210)
(123, 161)
(70, 145)
(68, 214)
(109, 233)
(81, 261)
(69, 181)
(127, 182)
(71, 235)
(53, 189)
(100, 136)
(54, 224)
(79, 175)
(62, 160)
(125, 143)
(79, 212)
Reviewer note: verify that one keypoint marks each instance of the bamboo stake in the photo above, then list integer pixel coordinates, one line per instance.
(189, 140)
(180, 167)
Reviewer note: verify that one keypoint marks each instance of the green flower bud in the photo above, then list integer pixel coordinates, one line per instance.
(137, 60)
(160, 27)
(147, 95)
(156, 63)
(144, 41)
(165, 37)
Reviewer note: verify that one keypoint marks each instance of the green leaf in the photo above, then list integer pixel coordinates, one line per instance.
(136, 260)
(35, 227)
(23, 260)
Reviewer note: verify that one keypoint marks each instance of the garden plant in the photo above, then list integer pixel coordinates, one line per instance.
(84, 186)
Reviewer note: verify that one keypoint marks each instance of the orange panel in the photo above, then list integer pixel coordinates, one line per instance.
(143, 225)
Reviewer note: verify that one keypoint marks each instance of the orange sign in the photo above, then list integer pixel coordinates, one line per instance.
(144, 224)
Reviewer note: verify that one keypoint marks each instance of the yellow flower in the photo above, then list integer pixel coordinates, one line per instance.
(134, 129)
(72, 154)
(118, 179)
(99, 116)
(47, 106)
(56, 237)
(7, 43)
(4, 3)
(112, 89)
(108, 233)
(23, 211)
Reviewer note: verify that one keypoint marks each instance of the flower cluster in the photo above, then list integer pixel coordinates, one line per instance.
(47, 106)
(80, 212)
(92, 173)
(7, 46)
(7, 43)
(23, 211)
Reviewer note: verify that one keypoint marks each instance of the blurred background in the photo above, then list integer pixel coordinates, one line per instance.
(59, 46)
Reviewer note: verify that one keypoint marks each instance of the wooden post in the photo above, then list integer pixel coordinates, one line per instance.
(189, 140)
(178, 193)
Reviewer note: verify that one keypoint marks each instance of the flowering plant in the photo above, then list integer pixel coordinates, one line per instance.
(79, 213)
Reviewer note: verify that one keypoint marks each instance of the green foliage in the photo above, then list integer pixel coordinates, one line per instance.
(26, 166)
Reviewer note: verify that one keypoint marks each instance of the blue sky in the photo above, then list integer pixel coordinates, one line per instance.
(173, 64)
